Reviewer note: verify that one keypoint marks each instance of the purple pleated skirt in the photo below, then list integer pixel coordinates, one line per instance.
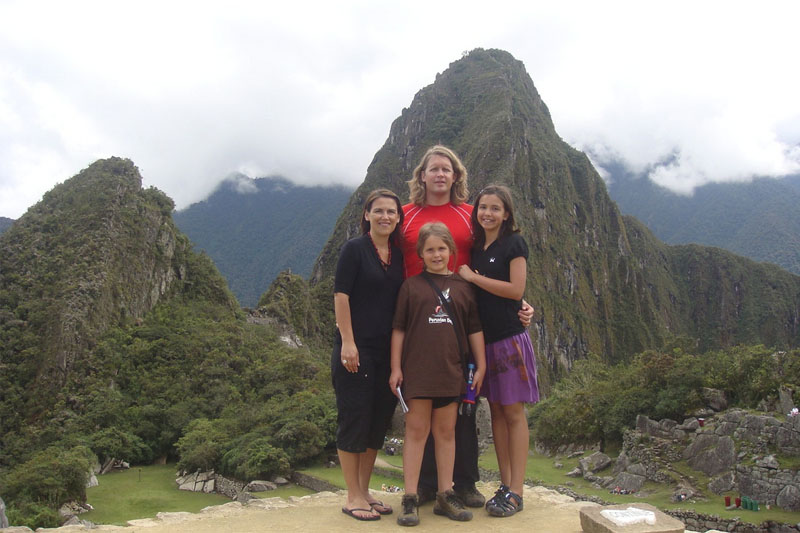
(511, 371)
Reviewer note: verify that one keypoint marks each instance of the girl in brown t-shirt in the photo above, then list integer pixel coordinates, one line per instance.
(426, 363)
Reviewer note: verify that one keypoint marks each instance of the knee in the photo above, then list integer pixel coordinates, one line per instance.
(515, 414)
(417, 430)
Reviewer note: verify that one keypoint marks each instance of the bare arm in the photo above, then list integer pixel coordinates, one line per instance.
(478, 347)
(341, 308)
(396, 378)
(512, 290)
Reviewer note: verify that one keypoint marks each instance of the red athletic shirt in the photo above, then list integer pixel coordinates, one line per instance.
(455, 217)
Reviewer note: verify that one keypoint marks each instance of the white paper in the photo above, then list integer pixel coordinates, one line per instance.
(402, 401)
(630, 516)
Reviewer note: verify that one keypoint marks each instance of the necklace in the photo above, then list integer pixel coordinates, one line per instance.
(384, 264)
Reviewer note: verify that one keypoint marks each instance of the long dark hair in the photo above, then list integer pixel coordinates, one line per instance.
(508, 226)
(383, 193)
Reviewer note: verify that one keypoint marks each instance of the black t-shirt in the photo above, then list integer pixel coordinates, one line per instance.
(372, 290)
(499, 315)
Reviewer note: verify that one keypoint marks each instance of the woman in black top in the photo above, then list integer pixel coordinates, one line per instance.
(368, 276)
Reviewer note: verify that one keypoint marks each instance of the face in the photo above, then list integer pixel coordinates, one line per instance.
(435, 255)
(438, 175)
(491, 212)
(382, 216)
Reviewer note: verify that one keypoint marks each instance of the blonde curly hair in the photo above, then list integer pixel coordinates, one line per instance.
(458, 193)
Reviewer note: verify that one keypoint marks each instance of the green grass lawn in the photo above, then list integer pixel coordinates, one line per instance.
(142, 492)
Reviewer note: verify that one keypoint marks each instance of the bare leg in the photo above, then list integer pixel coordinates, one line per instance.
(501, 445)
(418, 425)
(366, 465)
(351, 466)
(443, 426)
(518, 443)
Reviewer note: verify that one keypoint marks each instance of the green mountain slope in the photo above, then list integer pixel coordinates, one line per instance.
(600, 283)
(758, 219)
(254, 229)
(116, 336)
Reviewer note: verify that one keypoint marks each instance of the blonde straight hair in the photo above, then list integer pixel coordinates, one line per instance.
(458, 193)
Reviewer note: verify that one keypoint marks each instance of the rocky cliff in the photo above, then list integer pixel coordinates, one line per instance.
(97, 251)
(600, 282)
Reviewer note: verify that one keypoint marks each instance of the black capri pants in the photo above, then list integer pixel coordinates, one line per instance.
(364, 402)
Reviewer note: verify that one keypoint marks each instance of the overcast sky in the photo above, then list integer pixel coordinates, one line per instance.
(192, 91)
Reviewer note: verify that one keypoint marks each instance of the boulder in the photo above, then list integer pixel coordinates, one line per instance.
(622, 463)
(260, 486)
(637, 469)
(785, 399)
(278, 480)
(723, 483)
(789, 498)
(768, 462)
(576, 472)
(711, 454)
(3, 519)
(594, 463)
(690, 424)
(715, 399)
(629, 482)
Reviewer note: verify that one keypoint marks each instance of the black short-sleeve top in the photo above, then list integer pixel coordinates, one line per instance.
(371, 289)
(499, 315)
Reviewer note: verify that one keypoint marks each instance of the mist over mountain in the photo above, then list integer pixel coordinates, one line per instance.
(255, 228)
(600, 282)
(757, 219)
(5, 223)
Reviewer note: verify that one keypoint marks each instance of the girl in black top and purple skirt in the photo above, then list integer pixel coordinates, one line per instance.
(499, 270)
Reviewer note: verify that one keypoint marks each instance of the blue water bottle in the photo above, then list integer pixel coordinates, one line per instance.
(468, 402)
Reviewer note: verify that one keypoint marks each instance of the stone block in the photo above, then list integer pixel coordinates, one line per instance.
(592, 521)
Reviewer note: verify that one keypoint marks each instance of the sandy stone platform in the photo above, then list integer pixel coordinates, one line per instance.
(546, 511)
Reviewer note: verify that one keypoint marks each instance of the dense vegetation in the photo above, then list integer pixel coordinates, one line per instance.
(119, 341)
(597, 402)
(757, 219)
(254, 229)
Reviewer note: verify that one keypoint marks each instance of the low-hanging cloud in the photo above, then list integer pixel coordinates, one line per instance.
(192, 92)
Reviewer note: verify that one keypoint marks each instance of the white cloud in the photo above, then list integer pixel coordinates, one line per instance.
(192, 91)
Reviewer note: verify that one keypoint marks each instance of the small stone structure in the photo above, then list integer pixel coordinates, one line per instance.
(733, 448)
(210, 481)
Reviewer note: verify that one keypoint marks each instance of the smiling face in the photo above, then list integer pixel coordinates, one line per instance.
(438, 176)
(382, 216)
(436, 255)
(491, 213)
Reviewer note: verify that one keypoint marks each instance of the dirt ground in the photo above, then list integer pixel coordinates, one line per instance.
(545, 511)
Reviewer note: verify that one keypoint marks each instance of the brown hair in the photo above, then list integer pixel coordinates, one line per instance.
(435, 229)
(458, 193)
(508, 226)
(371, 197)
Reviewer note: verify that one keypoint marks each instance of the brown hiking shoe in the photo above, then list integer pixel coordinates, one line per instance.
(470, 496)
(447, 504)
(409, 514)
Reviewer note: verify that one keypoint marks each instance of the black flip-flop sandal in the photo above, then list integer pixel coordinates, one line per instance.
(387, 509)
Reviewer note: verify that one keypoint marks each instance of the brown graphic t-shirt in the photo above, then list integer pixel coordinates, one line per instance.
(431, 363)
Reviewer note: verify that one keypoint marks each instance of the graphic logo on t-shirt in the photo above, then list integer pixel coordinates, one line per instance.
(440, 315)
(491, 259)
